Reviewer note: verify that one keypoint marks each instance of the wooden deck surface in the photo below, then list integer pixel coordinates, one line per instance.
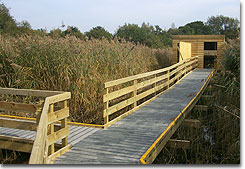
(77, 133)
(127, 140)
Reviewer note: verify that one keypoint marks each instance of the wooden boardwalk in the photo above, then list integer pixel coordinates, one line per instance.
(126, 141)
(77, 133)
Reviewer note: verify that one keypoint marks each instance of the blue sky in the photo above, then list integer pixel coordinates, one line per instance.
(111, 14)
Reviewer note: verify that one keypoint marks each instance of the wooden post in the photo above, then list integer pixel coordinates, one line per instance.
(178, 144)
(196, 62)
(185, 66)
(168, 78)
(64, 125)
(179, 73)
(155, 84)
(106, 106)
(39, 111)
(135, 93)
(51, 129)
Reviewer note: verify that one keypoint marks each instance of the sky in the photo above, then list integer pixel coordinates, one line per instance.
(110, 14)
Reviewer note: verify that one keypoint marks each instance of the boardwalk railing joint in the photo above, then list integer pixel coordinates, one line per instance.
(51, 109)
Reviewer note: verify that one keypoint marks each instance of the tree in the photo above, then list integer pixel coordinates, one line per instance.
(194, 28)
(73, 31)
(131, 32)
(7, 23)
(228, 26)
(24, 27)
(147, 34)
(164, 36)
(98, 33)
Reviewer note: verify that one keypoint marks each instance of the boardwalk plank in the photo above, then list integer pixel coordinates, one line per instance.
(128, 139)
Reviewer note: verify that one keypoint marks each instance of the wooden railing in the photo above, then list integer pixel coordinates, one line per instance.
(53, 109)
(133, 92)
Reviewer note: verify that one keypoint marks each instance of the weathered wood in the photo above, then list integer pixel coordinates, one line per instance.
(178, 70)
(168, 81)
(148, 92)
(19, 107)
(210, 52)
(201, 108)
(39, 111)
(197, 46)
(28, 92)
(118, 93)
(130, 78)
(39, 150)
(151, 81)
(51, 129)
(191, 123)
(64, 124)
(58, 115)
(16, 144)
(58, 135)
(177, 144)
(106, 106)
(18, 124)
(131, 111)
(60, 97)
(58, 153)
(118, 106)
(135, 93)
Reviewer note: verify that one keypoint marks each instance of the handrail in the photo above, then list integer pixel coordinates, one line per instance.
(150, 83)
(43, 151)
(54, 108)
(39, 150)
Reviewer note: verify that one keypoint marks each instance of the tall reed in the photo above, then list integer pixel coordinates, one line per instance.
(71, 64)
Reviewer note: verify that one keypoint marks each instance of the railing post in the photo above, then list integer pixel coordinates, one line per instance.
(196, 62)
(168, 78)
(38, 112)
(155, 84)
(51, 129)
(106, 106)
(135, 93)
(185, 66)
(64, 125)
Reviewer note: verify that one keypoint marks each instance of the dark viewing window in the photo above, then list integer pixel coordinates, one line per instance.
(209, 61)
(210, 45)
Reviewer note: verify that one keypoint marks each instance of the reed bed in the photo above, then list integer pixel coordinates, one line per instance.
(71, 64)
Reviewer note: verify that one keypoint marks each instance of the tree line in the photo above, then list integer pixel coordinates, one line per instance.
(149, 35)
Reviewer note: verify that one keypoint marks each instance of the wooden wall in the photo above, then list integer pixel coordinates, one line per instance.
(185, 50)
(197, 46)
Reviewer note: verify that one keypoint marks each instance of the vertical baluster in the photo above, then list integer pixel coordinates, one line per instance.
(106, 106)
(64, 125)
(168, 77)
(155, 84)
(51, 129)
(135, 93)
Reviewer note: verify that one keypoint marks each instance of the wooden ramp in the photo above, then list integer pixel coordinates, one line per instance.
(137, 137)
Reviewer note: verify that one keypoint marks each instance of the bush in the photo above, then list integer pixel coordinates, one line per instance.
(164, 57)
